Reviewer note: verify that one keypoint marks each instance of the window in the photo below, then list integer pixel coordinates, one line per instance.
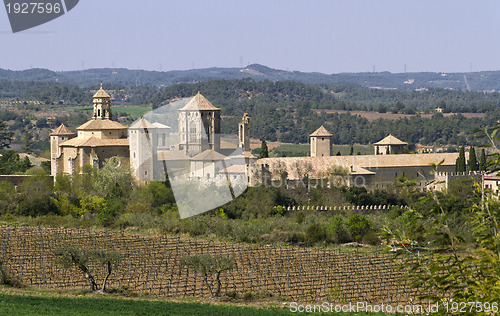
(163, 137)
(134, 154)
(192, 134)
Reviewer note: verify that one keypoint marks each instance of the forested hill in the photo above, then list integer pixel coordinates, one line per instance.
(283, 111)
(474, 81)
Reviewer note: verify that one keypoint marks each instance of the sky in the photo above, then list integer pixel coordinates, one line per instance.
(328, 36)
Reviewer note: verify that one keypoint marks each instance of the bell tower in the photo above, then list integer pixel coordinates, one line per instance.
(102, 105)
(244, 133)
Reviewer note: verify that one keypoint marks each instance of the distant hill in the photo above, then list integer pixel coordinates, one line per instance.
(476, 81)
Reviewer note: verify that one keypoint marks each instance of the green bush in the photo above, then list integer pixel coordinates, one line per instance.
(371, 238)
(316, 233)
(338, 230)
(358, 226)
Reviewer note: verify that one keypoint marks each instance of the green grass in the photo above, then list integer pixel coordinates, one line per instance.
(134, 111)
(75, 108)
(40, 305)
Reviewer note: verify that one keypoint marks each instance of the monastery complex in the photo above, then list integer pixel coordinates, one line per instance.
(196, 150)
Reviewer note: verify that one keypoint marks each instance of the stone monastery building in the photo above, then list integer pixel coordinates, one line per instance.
(196, 150)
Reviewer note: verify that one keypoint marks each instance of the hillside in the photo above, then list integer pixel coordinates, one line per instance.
(289, 111)
(474, 81)
(284, 111)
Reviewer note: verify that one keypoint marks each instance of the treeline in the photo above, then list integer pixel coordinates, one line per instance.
(45, 92)
(51, 93)
(282, 111)
(352, 97)
(476, 81)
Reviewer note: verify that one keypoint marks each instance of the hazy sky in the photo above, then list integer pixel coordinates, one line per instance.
(327, 36)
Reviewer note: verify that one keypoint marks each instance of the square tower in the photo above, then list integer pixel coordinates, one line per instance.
(321, 142)
(199, 126)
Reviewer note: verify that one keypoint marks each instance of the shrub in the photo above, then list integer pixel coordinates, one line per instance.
(358, 226)
(316, 233)
(278, 210)
(338, 230)
(371, 238)
(6, 278)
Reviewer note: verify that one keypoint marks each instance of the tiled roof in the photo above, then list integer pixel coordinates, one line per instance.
(390, 140)
(171, 155)
(361, 164)
(62, 130)
(199, 103)
(101, 125)
(101, 93)
(95, 142)
(143, 123)
(321, 132)
(208, 155)
(234, 169)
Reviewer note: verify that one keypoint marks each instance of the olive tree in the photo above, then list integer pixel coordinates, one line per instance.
(209, 267)
(71, 256)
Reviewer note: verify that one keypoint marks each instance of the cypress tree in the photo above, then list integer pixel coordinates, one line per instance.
(352, 150)
(482, 161)
(473, 165)
(460, 162)
(264, 152)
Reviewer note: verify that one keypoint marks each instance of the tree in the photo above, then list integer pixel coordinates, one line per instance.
(482, 161)
(27, 142)
(69, 256)
(358, 226)
(352, 150)
(460, 162)
(209, 267)
(473, 165)
(5, 136)
(448, 272)
(264, 152)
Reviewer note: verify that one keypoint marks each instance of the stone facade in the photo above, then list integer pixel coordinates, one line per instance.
(321, 143)
(389, 146)
(199, 126)
(96, 141)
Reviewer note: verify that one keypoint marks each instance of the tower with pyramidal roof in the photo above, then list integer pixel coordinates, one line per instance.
(96, 141)
(321, 142)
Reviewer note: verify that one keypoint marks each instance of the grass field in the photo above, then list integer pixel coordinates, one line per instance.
(134, 111)
(15, 304)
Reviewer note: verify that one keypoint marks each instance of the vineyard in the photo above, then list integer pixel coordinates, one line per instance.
(151, 264)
